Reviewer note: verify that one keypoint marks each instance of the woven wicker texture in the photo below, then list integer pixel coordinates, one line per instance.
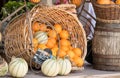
(107, 13)
(18, 32)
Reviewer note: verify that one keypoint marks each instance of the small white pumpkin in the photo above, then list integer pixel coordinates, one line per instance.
(50, 67)
(41, 37)
(18, 67)
(3, 67)
(65, 66)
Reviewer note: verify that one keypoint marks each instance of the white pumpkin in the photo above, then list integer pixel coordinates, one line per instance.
(18, 67)
(3, 67)
(65, 66)
(41, 37)
(50, 67)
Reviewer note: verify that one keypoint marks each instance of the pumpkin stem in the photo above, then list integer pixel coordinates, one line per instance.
(53, 57)
(13, 57)
(67, 57)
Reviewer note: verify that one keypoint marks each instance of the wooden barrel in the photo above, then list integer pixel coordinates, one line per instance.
(106, 46)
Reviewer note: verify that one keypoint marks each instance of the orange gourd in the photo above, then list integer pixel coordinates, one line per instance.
(71, 54)
(35, 42)
(78, 61)
(35, 1)
(58, 28)
(64, 34)
(43, 27)
(65, 48)
(52, 34)
(104, 1)
(76, 2)
(77, 51)
(117, 2)
(64, 42)
(35, 26)
(61, 53)
(42, 46)
(51, 42)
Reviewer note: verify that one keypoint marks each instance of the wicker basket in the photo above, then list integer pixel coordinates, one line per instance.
(18, 32)
(109, 13)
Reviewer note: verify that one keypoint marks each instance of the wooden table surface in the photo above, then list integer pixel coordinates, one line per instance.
(88, 72)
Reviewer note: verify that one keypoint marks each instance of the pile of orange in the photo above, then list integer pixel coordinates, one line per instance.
(62, 50)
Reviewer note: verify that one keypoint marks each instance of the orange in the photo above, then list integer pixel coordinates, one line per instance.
(43, 27)
(52, 34)
(54, 50)
(103, 1)
(35, 26)
(35, 1)
(117, 1)
(77, 51)
(61, 53)
(42, 46)
(70, 47)
(54, 53)
(64, 34)
(78, 61)
(65, 48)
(58, 28)
(70, 53)
(35, 42)
(51, 43)
(64, 42)
(35, 49)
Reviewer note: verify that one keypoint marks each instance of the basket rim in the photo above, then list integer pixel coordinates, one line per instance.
(105, 5)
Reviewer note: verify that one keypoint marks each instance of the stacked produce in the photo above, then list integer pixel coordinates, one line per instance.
(108, 1)
(57, 40)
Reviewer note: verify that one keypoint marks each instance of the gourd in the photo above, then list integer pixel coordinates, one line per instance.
(35, 1)
(76, 2)
(3, 67)
(104, 1)
(65, 66)
(50, 67)
(18, 67)
(41, 37)
(117, 2)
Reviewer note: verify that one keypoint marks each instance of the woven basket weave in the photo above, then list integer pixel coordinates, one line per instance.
(18, 32)
(109, 13)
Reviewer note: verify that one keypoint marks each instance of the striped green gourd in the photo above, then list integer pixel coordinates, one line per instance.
(50, 67)
(18, 67)
(41, 37)
(3, 67)
(65, 66)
